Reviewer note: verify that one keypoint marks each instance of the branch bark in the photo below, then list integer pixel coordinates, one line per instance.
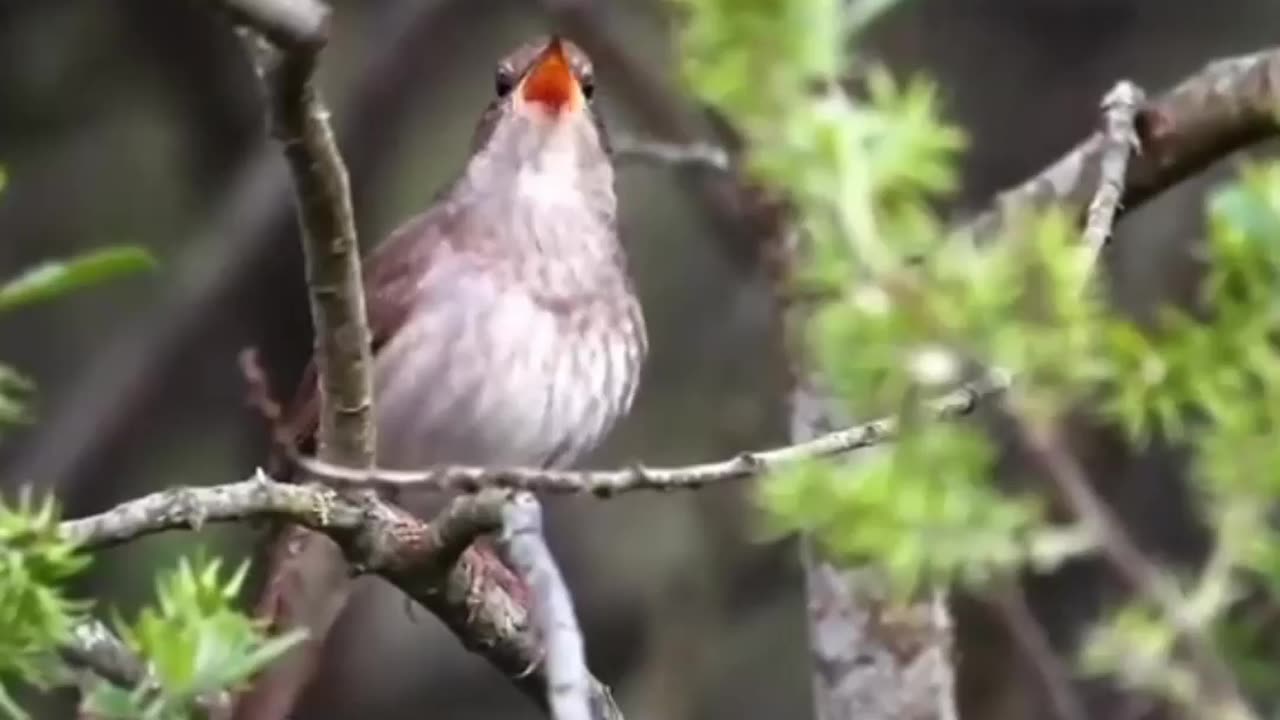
(300, 122)
(335, 290)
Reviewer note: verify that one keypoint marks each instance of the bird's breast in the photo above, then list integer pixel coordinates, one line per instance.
(496, 375)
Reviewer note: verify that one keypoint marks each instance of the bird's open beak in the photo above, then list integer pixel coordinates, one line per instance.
(550, 82)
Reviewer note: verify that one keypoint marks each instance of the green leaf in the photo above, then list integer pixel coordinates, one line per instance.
(53, 278)
(14, 391)
(36, 563)
(195, 640)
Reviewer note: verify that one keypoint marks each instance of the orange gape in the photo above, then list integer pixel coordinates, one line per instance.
(551, 81)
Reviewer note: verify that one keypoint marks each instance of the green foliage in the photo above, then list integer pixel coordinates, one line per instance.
(193, 641)
(908, 312)
(1136, 646)
(947, 523)
(35, 614)
(54, 278)
(14, 392)
(196, 641)
(44, 282)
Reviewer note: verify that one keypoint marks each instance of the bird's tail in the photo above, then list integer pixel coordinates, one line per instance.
(306, 587)
(306, 582)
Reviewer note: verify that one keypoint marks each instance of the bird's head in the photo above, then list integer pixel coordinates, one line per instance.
(543, 107)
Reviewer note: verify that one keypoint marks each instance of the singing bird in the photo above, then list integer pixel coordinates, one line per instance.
(506, 328)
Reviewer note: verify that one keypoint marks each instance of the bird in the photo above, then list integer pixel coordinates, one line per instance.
(505, 325)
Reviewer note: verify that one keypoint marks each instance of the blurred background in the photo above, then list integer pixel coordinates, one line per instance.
(138, 121)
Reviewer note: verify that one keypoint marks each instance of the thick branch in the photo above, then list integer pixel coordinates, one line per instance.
(524, 549)
(343, 355)
(609, 482)
(300, 121)
(427, 561)
(1225, 107)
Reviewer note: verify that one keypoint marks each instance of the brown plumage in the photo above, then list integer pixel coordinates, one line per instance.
(505, 327)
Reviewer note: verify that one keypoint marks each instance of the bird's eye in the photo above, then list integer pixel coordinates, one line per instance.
(503, 81)
(588, 86)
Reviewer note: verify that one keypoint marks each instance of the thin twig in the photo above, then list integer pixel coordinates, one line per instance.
(524, 549)
(694, 154)
(1035, 645)
(610, 482)
(1219, 686)
(1119, 141)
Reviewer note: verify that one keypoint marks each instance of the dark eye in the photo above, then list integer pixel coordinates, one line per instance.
(503, 81)
(588, 86)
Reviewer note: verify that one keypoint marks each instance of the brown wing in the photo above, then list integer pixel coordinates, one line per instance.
(390, 273)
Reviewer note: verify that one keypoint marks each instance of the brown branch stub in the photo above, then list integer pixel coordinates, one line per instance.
(525, 551)
(1119, 140)
(605, 483)
(1229, 105)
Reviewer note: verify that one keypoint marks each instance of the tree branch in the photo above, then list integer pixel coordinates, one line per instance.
(605, 483)
(1218, 689)
(343, 355)
(429, 562)
(525, 551)
(1120, 140)
(1228, 105)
